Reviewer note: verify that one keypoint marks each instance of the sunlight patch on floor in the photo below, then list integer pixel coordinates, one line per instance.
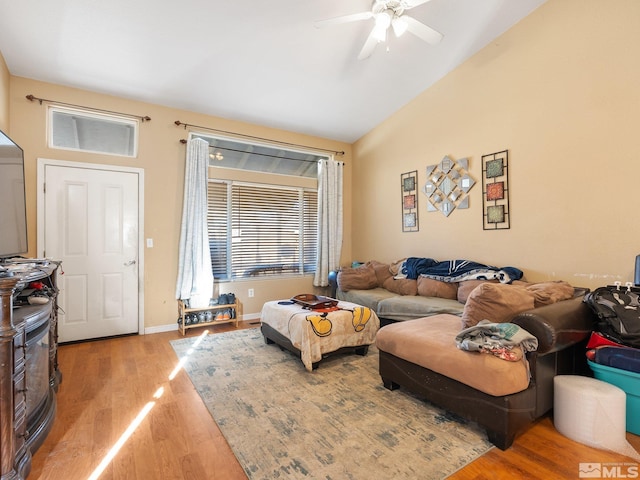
(183, 359)
(121, 441)
(143, 413)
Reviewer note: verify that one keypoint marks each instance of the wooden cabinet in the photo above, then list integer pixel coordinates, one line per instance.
(29, 375)
(206, 316)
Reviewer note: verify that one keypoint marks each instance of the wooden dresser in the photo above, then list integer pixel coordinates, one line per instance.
(29, 374)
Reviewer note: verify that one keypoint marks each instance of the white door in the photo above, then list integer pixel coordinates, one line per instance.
(91, 224)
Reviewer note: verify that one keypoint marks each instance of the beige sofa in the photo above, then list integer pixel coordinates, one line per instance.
(375, 285)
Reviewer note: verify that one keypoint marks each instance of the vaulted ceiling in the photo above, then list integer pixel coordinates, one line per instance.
(257, 61)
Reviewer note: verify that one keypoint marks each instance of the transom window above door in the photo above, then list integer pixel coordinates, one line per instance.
(72, 129)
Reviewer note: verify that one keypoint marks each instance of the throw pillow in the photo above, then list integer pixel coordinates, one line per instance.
(361, 278)
(428, 287)
(401, 286)
(396, 268)
(546, 293)
(467, 286)
(496, 302)
(382, 271)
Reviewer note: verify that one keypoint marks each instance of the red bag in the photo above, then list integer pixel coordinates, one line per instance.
(597, 339)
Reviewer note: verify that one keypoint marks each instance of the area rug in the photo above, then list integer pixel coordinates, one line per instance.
(337, 422)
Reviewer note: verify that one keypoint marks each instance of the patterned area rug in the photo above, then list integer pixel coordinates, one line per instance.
(338, 422)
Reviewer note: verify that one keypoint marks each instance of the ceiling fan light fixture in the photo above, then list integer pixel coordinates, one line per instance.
(399, 26)
(380, 34)
(383, 22)
(383, 19)
(386, 14)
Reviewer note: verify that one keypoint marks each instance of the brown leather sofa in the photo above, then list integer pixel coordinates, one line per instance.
(562, 330)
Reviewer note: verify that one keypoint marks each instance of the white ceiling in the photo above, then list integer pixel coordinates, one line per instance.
(257, 61)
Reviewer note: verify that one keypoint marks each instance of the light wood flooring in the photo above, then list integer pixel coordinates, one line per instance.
(107, 384)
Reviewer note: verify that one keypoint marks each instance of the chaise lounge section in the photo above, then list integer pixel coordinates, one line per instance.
(421, 318)
(421, 356)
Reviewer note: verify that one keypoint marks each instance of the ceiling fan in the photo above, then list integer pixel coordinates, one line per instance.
(387, 13)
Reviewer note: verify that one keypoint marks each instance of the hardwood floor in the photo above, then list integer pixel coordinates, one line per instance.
(107, 384)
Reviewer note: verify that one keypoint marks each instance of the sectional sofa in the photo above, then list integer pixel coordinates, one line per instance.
(418, 350)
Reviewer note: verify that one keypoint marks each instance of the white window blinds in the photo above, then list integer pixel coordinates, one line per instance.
(261, 230)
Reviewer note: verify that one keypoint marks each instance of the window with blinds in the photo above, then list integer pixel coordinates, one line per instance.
(261, 230)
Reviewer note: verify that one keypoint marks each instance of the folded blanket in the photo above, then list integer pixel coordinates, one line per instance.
(457, 270)
(496, 338)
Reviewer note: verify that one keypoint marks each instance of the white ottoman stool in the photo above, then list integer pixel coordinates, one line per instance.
(591, 412)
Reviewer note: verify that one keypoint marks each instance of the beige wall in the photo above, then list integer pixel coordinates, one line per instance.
(161, 155)
(560, 92)
(4, 96)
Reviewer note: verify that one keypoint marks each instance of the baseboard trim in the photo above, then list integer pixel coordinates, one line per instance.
(161, 328)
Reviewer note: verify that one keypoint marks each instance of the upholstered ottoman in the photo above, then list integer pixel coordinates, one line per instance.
(313, 334)
(430, 343)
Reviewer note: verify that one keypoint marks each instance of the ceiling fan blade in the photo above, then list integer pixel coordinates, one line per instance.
(369, 46)
(414, 3)
(420, 30)
(354, 17)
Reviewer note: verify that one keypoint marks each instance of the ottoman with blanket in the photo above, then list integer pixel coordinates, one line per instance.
(314, 334)
(503, 396)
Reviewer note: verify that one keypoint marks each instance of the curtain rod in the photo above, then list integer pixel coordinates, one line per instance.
(242, 135)
(143, 118)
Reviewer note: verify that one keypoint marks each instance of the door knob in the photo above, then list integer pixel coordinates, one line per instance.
(129, 263)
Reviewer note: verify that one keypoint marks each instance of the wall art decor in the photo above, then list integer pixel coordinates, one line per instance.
(448, 184)
(409, 189)
(495, 191)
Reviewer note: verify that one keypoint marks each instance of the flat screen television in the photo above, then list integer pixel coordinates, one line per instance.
(13, 210)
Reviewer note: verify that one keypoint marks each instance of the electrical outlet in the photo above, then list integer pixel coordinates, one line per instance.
(251, 292)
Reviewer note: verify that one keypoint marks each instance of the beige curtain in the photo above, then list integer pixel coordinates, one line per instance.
(195, 278)
(330, 173)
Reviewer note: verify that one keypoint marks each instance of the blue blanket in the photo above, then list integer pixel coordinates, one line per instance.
(457, 270)
(413, 267)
